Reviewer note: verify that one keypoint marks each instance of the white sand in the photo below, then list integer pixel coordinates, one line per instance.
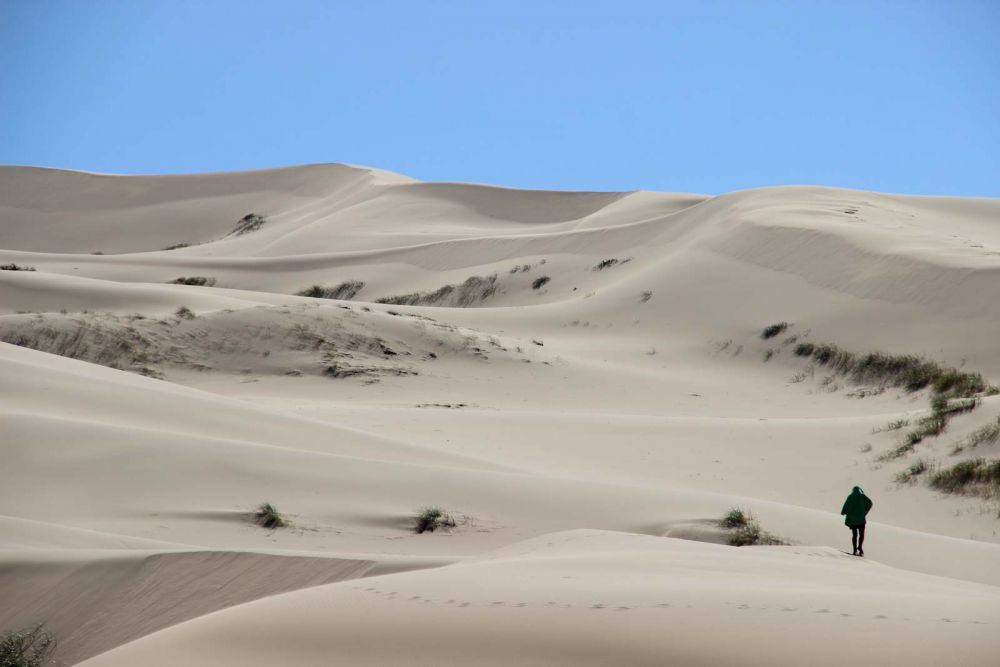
(574, 430)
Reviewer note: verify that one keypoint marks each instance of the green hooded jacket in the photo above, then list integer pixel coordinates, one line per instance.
(856, 507)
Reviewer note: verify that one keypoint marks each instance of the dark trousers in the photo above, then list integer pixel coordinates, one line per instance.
(858, 537)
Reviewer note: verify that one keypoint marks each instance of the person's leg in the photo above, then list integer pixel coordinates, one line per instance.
(854, 539)
(861, 540)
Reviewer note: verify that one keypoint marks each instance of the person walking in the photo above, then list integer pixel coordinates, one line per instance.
(855, 509)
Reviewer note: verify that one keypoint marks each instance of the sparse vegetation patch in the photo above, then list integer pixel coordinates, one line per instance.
(345, 291)
(200, 281)
(430, 519)
(974, 476)
(266, 516)
(26, 648)
(908, 371)
(774, 330)
(473, 290)
(15, 267)
(608, 263)
(745, 529)
(917, 468)
(250, 222)
(540, 282)
(645, 296)
(184, 313)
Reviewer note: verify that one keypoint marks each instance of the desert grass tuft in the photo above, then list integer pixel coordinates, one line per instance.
(200, 281)
(473, 290)
(745, 529)
(185, 313)
(266, 516)
(973, 476)
(250, 222)
(540, 282)
(917, 468)
(429, 519)
(774, 330)
(26, 648)
(345, 291)
(735, 518)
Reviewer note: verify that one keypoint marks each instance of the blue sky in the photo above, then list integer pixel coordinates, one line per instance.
(705, 96)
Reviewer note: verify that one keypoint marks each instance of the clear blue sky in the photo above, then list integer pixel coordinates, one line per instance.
(683, 96)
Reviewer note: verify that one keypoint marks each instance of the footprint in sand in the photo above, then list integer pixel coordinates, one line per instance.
(415, 597)
(664, 605)
(822, 611)
(465, 604)
(521, 604)
(495, 604)
(597, 606)
(789, 609)
(622, 608)
(880, 617)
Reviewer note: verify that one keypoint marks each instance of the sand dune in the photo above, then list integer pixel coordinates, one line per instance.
(579, 379)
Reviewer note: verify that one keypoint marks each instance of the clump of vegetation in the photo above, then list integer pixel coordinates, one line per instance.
(26, 648)
(540, 282)
(345, 291)
(200, 281)
(745, 529)
(908, 371)
(734, 518)
(768, 353)
(605, 264)
(15, 267)
(892, 426)
(177, 246)
(917, 468)
(266, 516)
(645, 296)
(520, 267)
(983, 435)
(472, 290)
(184, 313)
(250, 222)
(774, 330)
(976, 476)
(430, 519)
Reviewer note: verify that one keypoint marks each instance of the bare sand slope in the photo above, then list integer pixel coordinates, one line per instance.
(94, 601)
(532, 362)
(598, 598)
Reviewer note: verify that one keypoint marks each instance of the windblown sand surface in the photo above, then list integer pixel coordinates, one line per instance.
(578, 379)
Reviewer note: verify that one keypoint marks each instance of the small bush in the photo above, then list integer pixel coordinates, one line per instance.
(645, 296)
(16, 267)
(605, 264)
(345, 291)
(973, 476)
(774, 330)
(267, 516)
(746, 529)
(200, 281)
(250, 222)
(734, 518)
(26, 648)
(184, 313)
(540, 282)
(177, 246)
(430, 519)
(768, 353)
